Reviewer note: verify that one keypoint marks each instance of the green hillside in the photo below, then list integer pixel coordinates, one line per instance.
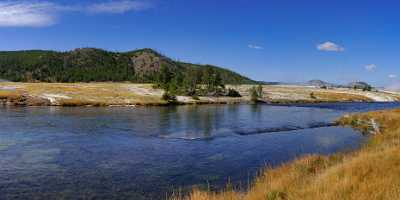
(97, 65)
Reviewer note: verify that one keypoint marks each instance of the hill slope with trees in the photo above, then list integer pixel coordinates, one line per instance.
(97, 65)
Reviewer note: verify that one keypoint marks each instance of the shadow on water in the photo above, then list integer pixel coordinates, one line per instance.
(144, 153)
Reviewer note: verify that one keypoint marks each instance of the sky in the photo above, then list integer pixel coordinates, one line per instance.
(282, 40)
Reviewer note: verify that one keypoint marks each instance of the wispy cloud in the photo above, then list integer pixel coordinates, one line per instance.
(24, 13)
(119, 7)
(253, 46)
(392, 76)
(330, 46)
(370, 67)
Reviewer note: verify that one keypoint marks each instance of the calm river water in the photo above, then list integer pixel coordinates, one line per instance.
(146, 152)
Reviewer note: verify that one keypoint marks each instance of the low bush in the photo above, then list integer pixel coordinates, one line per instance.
(169, 97)
(233, 93)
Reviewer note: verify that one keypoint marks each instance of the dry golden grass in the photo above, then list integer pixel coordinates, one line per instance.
(104, 94)
(95, 94)
(303, 94)
(335, 96)
(6, 94)
(373, 172)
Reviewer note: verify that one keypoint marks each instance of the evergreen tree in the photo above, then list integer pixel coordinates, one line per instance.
(190, 81)
(164, 77)
(260, 91)
(253, 94)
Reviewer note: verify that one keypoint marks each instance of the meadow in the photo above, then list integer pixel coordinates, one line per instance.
(128, 94)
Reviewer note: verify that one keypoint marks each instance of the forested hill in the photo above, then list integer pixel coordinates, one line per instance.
(96, 65)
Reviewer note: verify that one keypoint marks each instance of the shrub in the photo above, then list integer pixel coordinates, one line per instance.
(233, 93)
(253, 94)
(195, 97)
(169, 97)
(312, 95)
(368, 88)
(260, 91)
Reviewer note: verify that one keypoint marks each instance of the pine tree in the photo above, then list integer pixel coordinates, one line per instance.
(253, 94)
(164, 77)
(190, 81)
(260, 91)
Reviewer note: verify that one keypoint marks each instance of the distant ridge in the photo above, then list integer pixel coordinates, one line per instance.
(97, 65)
(360, 85)
(320, 83)
(353, 85)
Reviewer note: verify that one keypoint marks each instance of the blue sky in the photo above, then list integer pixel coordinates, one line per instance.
(292, 41)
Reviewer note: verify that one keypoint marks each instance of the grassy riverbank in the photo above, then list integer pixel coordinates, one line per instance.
(125, 94)
(372, 172)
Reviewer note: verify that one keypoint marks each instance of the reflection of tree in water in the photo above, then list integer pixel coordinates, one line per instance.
(255, 109)
(177, 120)
(213, 119)
(203, 120)
(192, 117)
(233, 114)
(233, 109)
(166, 119)
(208, 123)
(256, 113)
(197, 121)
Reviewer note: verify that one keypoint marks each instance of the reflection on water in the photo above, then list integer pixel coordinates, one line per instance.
(144, 153)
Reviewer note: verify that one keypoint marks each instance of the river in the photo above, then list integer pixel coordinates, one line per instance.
(147, 152)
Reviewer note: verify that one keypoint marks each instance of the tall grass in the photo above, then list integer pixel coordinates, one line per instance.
(373, 172)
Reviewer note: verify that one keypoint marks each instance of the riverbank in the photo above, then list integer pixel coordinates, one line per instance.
(369, 173)
(127, 94)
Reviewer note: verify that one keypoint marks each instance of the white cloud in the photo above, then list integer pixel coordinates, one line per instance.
(370, 67)
(392, 76)
(24, 13)
(118, 7)
(252, 46)
(330, 46)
